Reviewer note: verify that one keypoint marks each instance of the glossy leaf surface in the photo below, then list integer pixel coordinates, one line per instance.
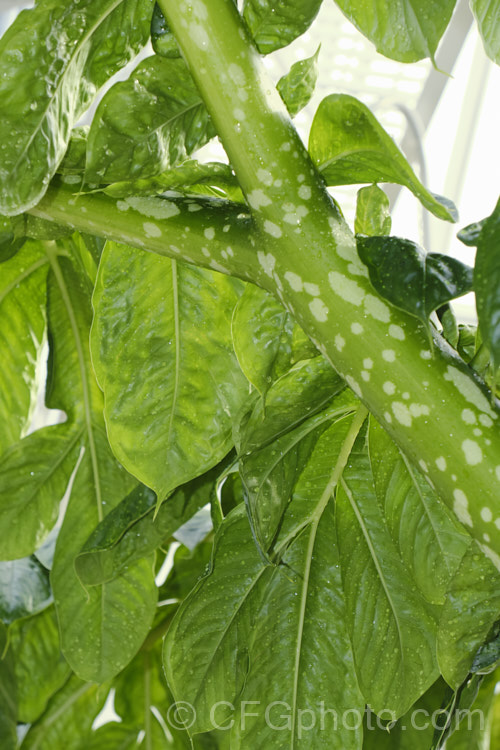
(57, 55)
(162, 39)
(159, 326)
(487, 284)
(410, 279)
(405, 30)
(297, 86)
(148, 123)
(372, 212)
(349, 146)
(24, 588)
(275, 23)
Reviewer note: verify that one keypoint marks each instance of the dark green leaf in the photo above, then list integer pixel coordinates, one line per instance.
(487, 15)
(471, 608)
(470, 234)
(112, 736)
(9, 242)
(22, 317)
(431, 542)
(297, 86)
(73, 164)
(8, 695)
(487, 284)
(410, 279)
(54, 57)
(275, 23)
(24, 588)
(393, 635)
(160, 328)
(68, 718)
(40, 667)
(162, 39)
(147, 124)
(372, 212)
(405, 30)
(349, 146)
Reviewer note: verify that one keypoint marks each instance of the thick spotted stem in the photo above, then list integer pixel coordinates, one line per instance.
(429, 401)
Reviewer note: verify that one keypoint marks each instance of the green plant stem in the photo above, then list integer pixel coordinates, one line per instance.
(425, 400)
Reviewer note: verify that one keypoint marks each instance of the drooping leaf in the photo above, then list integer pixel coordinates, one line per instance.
(68, 717)
(431, 542)
(22, 317)
(349, 146)
(372, 212)
(405, 30)
(297, 86)
(276, 23)
(146, 124)
(162, 39)
(487, 284)
(393, 635)
(470, 610)
(40, 667)
(160, 328)
(54, 58)
(184, 176)
(410, 279)
(8, 695)
(266, 339)
(487, 15)
(24, 588)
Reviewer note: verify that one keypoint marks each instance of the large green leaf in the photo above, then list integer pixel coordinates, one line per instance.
(68, 717)
(393, 635)
(250, 632)
(297, 86)
(53, 59)
(471, 608)
(8, 697)
(487, 283)
(411, 279)
(148, 123)
(349, 146)
(430, 540)
(39, 665)
(275, 23)
(22, 330)
(405, 30)
(487, 14)
(24, 588)
(266, 339)
(162, 349)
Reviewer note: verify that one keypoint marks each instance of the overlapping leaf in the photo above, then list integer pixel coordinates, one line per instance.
(372, 212)
(54, 57)
(8, 697)
(349, 146)
(487, 15)
(487, 283)
(163, 354)
(24, 588)
(147, 124)
(162, 38)
(297, 86)
(405, 30)
(275, 23)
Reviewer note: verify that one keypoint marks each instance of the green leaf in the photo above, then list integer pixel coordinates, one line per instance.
(132, 530)
(405, 30)
(24, 588)
(473, 730)
(471, 608)
(160, 326)
(8, 695)
(372, 212)
(147, 124)
(190, 173)
(162, 39)
(276, 23)
(112, 736)
(410, 279)
(10, 242)
(68, 718)
(73, 163)
(266, 339)
(430, 540)
(297, 86)
(487, 284)
(40, 667)
(487, 15)
(22, 318)
(34, 475)
(392, 634)
(53, 59)
(349, 146)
